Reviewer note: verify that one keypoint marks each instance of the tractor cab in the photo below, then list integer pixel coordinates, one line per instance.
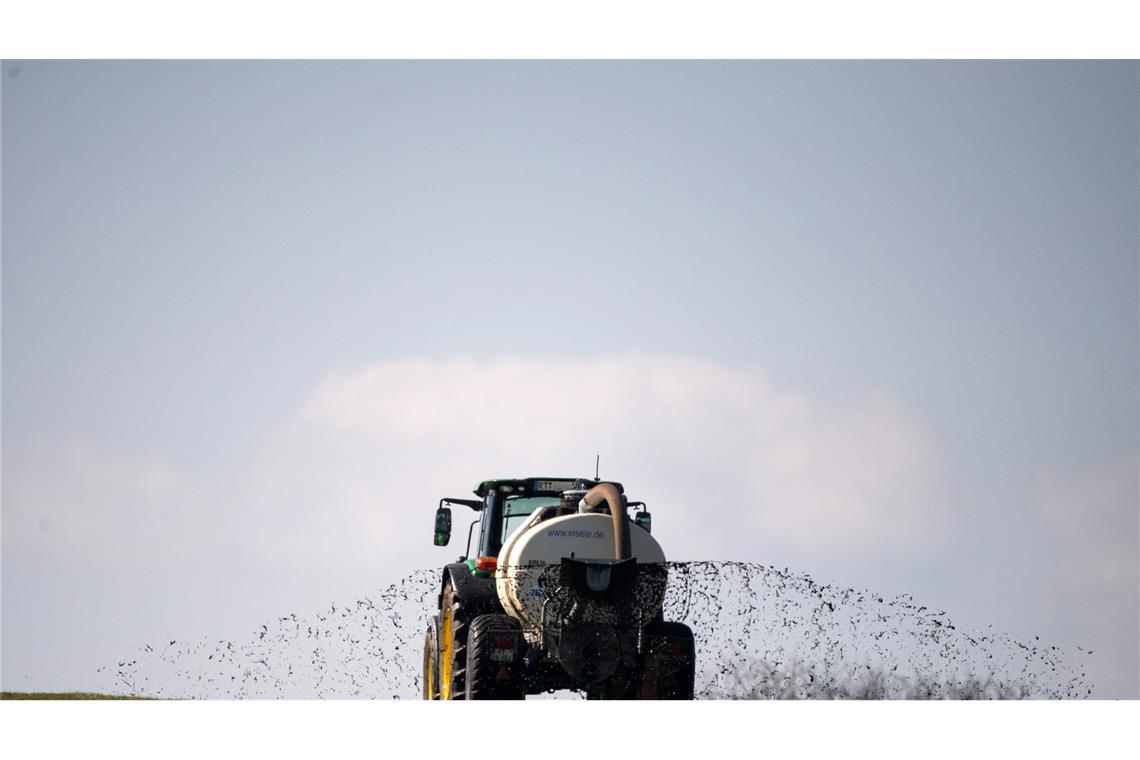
(503, 505)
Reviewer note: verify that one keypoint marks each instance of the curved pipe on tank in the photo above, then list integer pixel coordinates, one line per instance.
(609, 493)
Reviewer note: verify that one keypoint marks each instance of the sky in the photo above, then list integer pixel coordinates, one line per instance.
(873, 321)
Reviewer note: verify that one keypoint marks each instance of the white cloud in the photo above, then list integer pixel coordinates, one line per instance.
(731, 463)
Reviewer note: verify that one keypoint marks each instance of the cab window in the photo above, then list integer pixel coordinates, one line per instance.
(518, 509)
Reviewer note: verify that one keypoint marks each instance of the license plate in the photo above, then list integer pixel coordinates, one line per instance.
(554, 485)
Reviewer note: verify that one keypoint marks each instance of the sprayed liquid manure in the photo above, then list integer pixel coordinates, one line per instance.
(761, 633)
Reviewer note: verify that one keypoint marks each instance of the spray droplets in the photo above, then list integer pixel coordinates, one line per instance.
(761, 632)
(767, 633)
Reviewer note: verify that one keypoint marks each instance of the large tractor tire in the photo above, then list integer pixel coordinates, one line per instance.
(454, 622)
(486, 677)
(431, 660)
(670, 665)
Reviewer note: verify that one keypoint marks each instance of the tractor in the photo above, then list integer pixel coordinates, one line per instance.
(564, 591)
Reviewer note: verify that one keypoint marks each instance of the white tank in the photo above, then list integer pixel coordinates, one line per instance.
(534, 546)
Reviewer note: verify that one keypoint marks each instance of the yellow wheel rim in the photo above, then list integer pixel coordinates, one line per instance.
(445, 647)
(432, 670)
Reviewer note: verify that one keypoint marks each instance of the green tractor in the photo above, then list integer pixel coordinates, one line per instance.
(565, 591)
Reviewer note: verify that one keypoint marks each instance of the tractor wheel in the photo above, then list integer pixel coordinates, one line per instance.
(670, 664)
(431, 661)
(454, 620)
(486, 677)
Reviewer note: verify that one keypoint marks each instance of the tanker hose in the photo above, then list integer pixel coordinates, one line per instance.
(609, 493)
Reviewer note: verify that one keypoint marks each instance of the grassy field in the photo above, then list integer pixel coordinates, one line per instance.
(58, 695)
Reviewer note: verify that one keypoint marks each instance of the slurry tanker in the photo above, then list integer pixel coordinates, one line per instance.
(565, 590)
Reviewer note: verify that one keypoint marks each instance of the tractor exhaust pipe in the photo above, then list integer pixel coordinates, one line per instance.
(609, 494)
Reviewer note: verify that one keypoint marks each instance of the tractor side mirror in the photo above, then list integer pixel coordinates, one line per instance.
(644, 520)
(442, 526)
